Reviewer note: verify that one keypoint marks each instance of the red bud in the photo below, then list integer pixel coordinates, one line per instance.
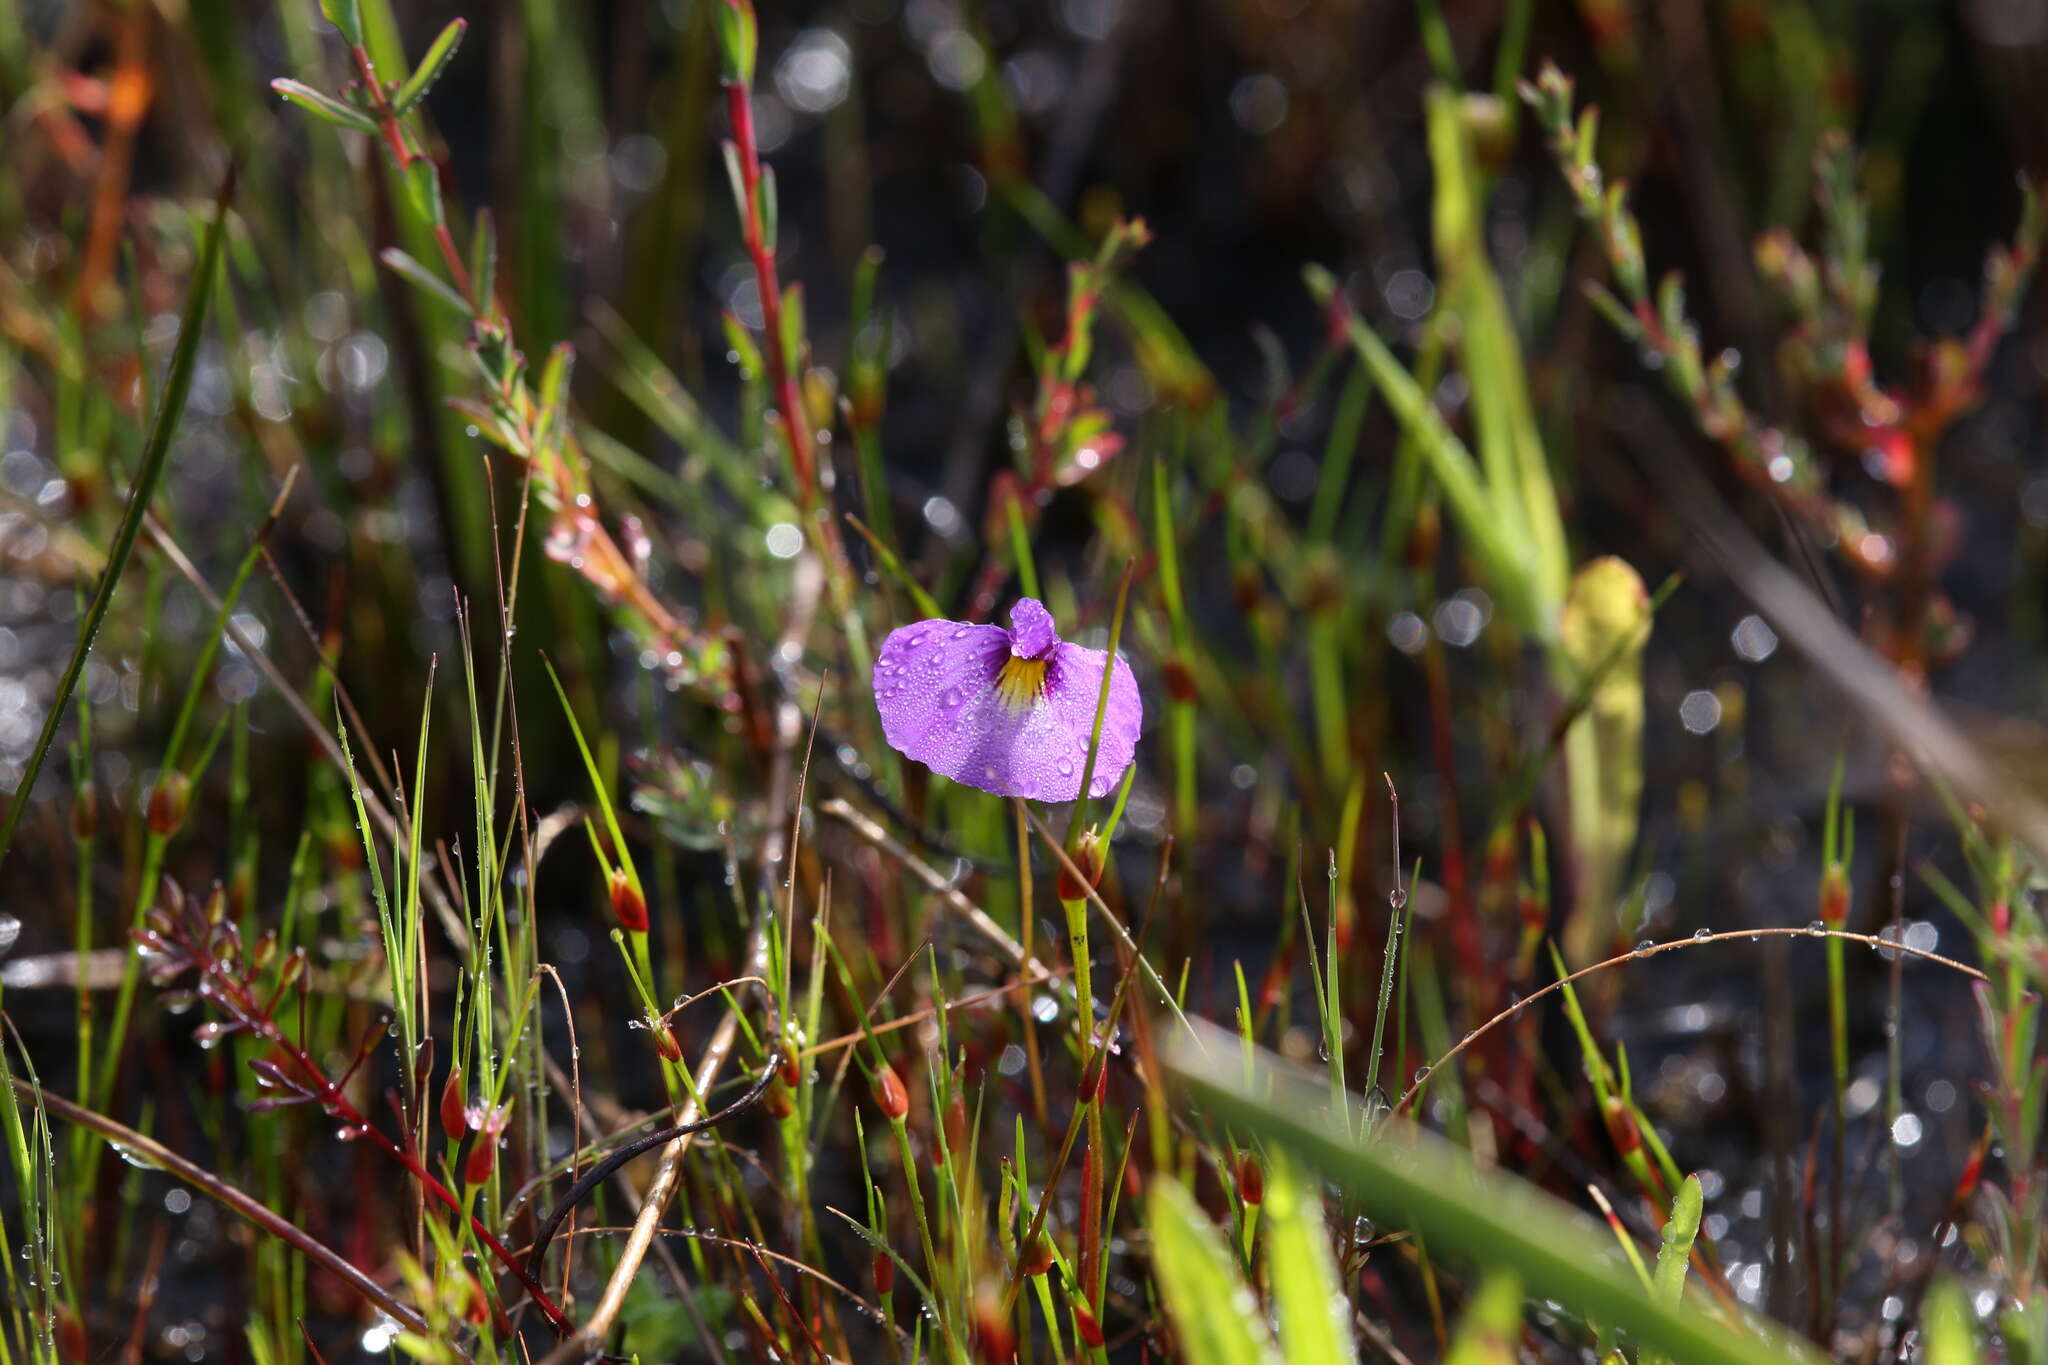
(1036, 1258)
(482, 1160)
(1834, 896)
(453, 1121)
(1251, 1179)
(890, 1096)
(776, 1100)
(1088, 859)
(1085, 1325)
(168, 802)
(627, 903)
(665, 1043)
(885, 1274)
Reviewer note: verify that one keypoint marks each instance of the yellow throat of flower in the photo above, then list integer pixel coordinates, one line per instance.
(1021, 682)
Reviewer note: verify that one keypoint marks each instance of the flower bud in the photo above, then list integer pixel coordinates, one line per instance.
(1251, 1179)
(1036, 1258)
(1179, 679)
(85, 813)
(776, 1100)
(168, 802)
(1621, 1126)
(885, 1274)
(627, 903)
(482, 1160)
(995, 1339)
(890, 1096)
(1088, 859)
(956, 1123)
(665, 1043)
(1834, 896)
(1085, 1325)
(453, 1121)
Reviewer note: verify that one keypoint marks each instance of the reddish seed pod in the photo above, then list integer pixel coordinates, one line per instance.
(1095, 1079)
(792, 1068)
(453, 1121)
(1251, 1179)
(1834, 896)
(627, 903)
(1179, 679)
(665, 1043)
(72, 1343)
(995, 1340)
(776, 1100)
(482, 1160)
(1036, 1258)
(168, 802)
(1621, 1126)
(890, 1096)
(885, 1274)
(1088, 860)
(1085, 1325)
(956, 1123)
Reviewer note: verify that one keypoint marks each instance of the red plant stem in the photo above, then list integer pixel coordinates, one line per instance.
(328, 1094)
(404, 154)
(739, 103)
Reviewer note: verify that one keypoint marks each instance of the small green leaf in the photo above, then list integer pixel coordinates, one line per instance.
(738, 38)
(430, 68)
(1214, 1315)
(423, 187)
(324, 107)
(347, 18)
(423, 279)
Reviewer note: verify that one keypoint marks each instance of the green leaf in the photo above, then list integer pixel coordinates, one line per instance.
(324, 107)
(1504, 556)
(155, 452)
(1214, 1316)
(1315, 1326)
(423, 279)
(1407, 1177)
(737, 40)
(430, 68)
(1503, 417)
(483, 259)
(1492, 1322)
(1951, 1335)
(347, 17)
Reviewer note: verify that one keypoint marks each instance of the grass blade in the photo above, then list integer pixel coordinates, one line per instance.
(155, 454)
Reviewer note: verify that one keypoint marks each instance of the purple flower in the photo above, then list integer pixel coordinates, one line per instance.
(1008, 711)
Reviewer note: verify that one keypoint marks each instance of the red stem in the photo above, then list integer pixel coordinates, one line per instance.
(327, 1093)
(739, 103)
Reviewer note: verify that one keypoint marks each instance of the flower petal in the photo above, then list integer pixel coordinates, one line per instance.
(935, 686)
(1031, 632)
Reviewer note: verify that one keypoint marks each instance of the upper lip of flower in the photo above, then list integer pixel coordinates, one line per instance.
(1009, 711)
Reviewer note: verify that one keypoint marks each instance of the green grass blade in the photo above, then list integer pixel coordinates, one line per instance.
(1413, 1179)
(1207, 1300)
(155, 454)
(1315, 1327)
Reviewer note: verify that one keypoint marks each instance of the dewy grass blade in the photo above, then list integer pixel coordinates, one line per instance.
(1415, 1179)
(155, 454)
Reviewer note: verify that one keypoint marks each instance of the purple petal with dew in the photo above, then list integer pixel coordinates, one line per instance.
(1031, 632)
(935, 686)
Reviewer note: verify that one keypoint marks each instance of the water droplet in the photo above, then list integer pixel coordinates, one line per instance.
(1702, 935)
(1421, 1074)
(1066, 767)
(1643, 949)
(1397, 899)
(10, 930)
(1817, 929)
